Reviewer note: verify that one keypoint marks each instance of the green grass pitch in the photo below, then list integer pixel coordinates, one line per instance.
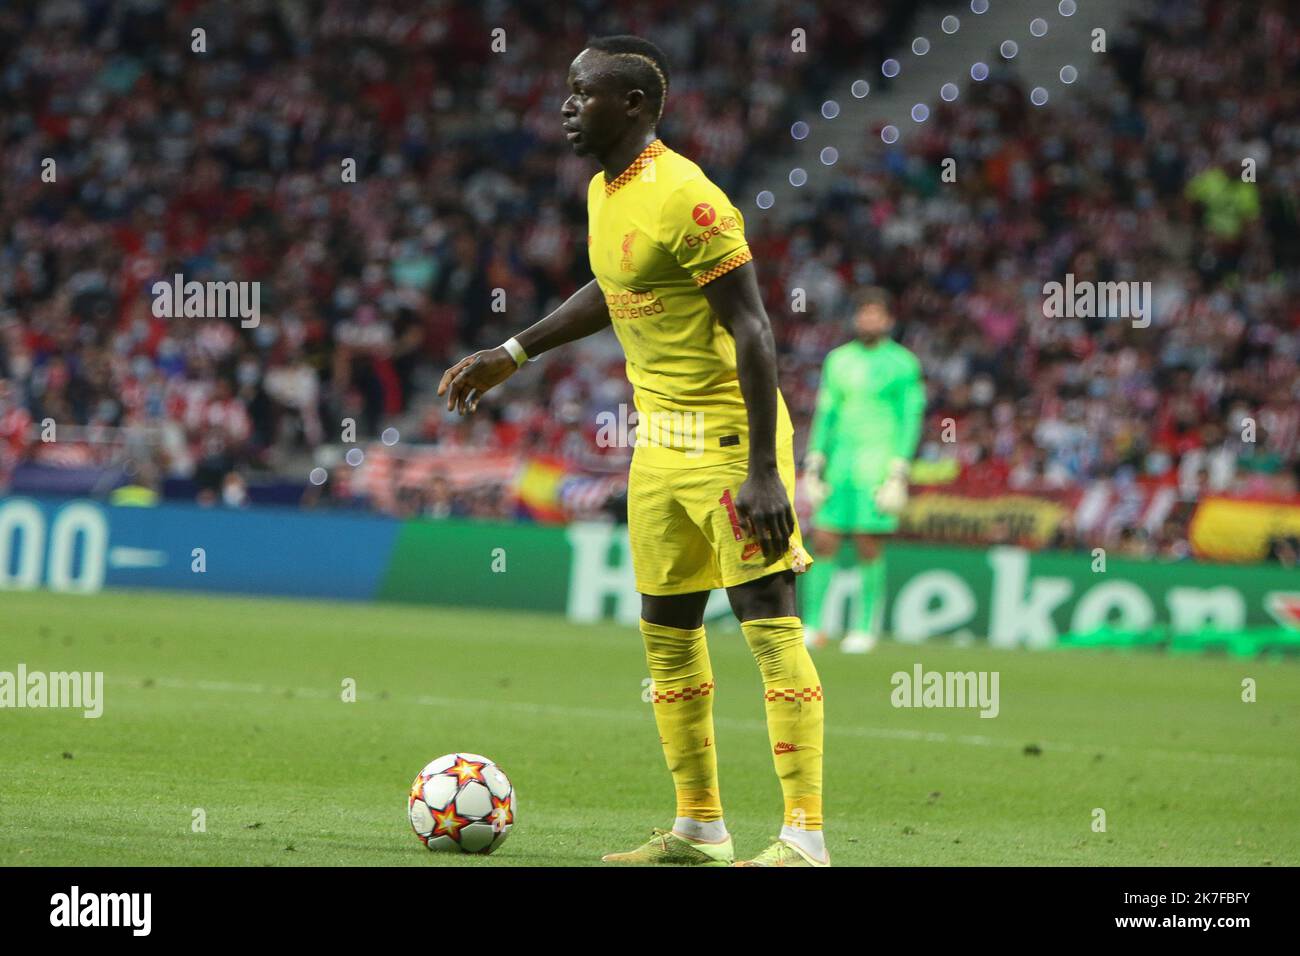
(234, 706)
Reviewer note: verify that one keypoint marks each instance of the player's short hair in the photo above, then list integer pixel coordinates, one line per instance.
(639, 65)
(872, 295)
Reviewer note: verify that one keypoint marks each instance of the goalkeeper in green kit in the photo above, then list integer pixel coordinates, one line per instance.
(864, 435)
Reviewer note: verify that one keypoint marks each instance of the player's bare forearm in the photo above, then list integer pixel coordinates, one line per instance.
(735, 299)
(762, 501)
(583, 313)
(756, 368)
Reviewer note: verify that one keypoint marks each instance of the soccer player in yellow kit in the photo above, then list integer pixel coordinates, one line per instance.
(711, 487)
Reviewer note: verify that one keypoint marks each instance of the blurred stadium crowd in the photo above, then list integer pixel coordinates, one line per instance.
(226, 165)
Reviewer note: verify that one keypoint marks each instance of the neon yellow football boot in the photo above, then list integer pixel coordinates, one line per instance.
(781, 853)
(666, 848)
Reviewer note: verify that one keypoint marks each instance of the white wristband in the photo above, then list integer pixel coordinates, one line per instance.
(516, 351)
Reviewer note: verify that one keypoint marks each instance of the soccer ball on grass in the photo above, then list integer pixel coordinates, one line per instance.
(462, 803)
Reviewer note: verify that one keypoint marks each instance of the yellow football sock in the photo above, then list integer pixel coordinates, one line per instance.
(792, 694)
(682, 696)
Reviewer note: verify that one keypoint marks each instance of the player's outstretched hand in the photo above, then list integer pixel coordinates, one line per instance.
(763, 508)
(466, 381)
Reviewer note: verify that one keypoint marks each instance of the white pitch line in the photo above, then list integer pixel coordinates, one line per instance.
(740, 723)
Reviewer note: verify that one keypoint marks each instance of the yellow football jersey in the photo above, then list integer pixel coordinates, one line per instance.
(658, 233)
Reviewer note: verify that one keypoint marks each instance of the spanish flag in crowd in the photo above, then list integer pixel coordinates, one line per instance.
(537, 487)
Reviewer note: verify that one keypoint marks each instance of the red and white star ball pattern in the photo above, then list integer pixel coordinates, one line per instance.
(462, 803)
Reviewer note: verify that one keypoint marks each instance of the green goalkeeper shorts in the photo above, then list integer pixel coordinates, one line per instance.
(851, 509)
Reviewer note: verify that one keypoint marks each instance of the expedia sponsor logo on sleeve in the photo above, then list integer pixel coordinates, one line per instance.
(718, 227)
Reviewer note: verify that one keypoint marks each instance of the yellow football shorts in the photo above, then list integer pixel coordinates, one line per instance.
(685, 533)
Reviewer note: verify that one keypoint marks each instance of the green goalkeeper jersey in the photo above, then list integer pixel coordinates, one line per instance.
(869, 410)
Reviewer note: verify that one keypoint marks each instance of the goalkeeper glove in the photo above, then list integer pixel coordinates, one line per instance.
(815, 489)
(891, 496)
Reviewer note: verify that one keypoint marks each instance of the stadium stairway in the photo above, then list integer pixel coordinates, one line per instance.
(854, 133)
